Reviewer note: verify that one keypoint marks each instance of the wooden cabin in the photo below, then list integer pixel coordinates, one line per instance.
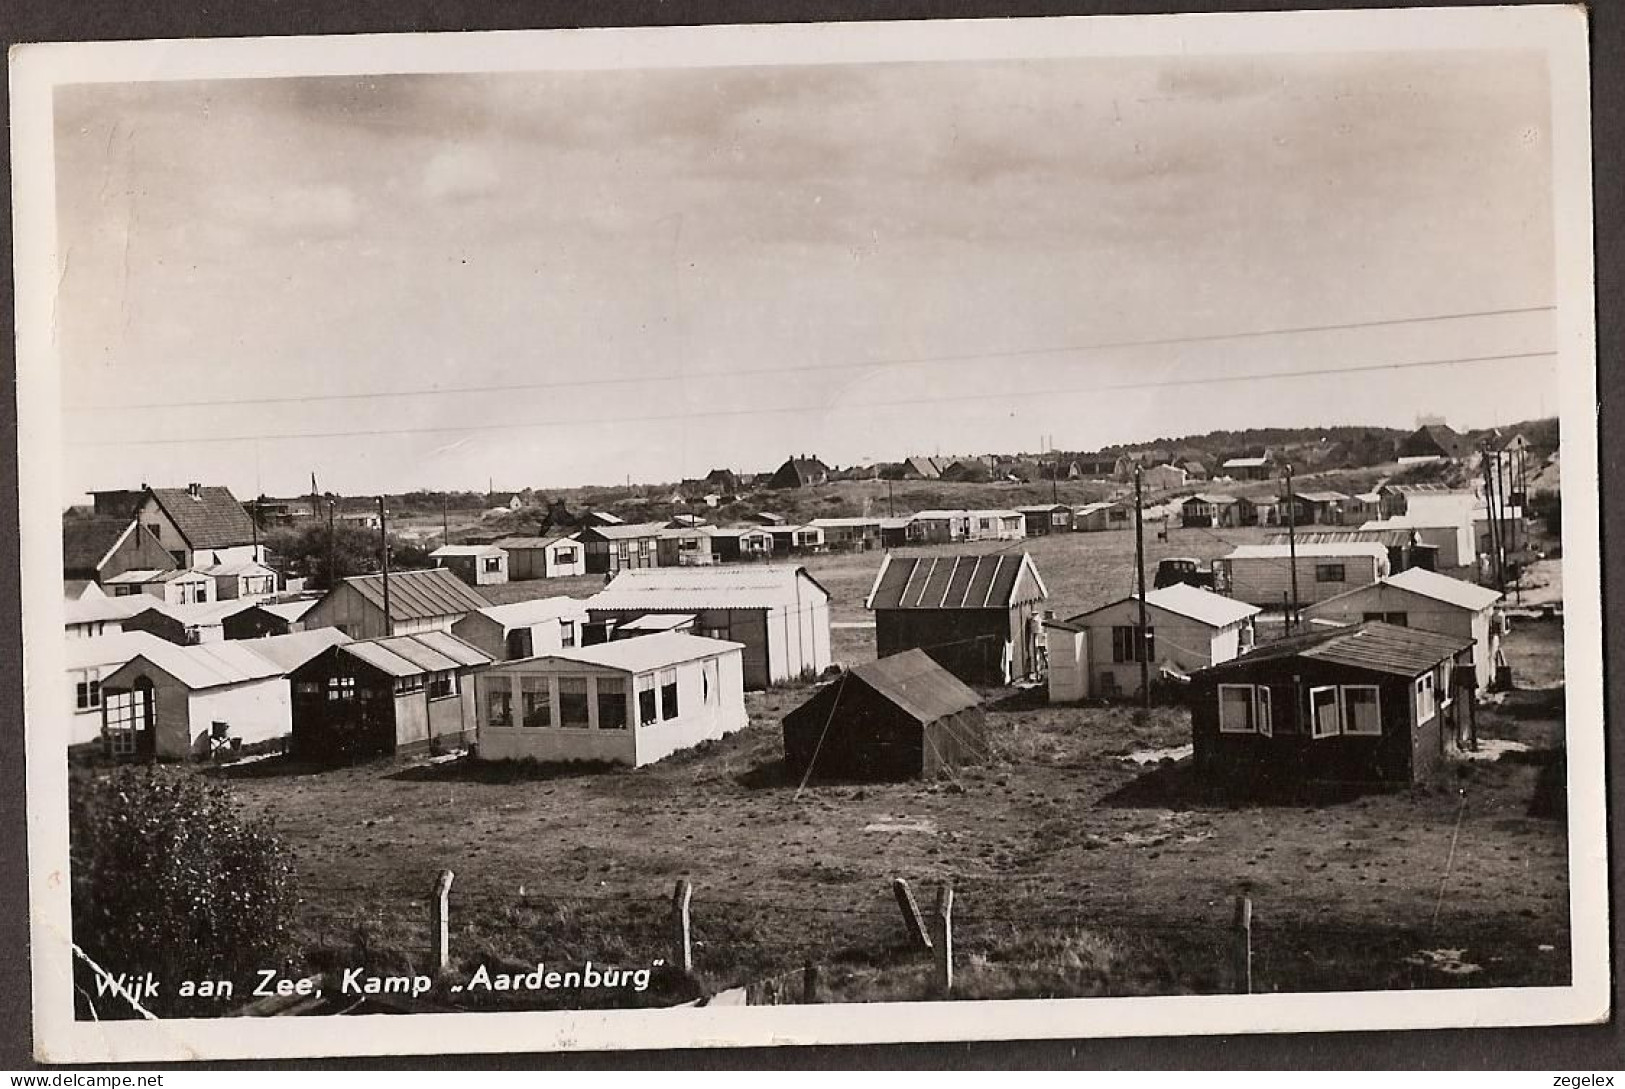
(419, 601)
(1046, 518)
(1262, 574)
(976, 615)
(477, 565)
(384, 697)
(524, 629)
(543, 557)
(611, 549)
(1374, 703)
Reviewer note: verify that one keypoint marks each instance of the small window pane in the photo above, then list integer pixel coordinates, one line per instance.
(611, 707)
(573, 702)
(1362, 711)
(1236, 709)
(536, 707)
(1323, 717)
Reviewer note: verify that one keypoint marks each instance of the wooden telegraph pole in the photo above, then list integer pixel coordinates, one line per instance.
(1292, 551)
(383, 536)
(1141, 650)
(332, 572)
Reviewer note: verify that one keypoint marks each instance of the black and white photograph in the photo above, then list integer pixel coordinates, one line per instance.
(810, 534)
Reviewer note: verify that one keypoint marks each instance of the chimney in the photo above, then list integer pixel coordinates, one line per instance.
(195, 491)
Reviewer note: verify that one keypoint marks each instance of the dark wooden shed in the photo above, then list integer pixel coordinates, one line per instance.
(977, 615)
(902, 717)
(1373, 703)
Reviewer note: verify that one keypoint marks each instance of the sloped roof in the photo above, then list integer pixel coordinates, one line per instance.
(142, 576)
(239, 567)
(1321, 497)
(288, 610)
(1432, 436)
(1181, 599)
(417, 594)
(113, 649)
(293, 650)
(1374, 646)
(87, 541)
(692, 589)
(211, 519)
(990, 581)
(1213, 499)
(1246, 463)
(1043, 508)
(521, 614)
(926, 467)
(1390, 538)
(414, 655)
(209, 665)
(843, 523)
(646, 652)
(917, 685)
(90, 610)
(626, 532)
(467, 550)
(658, 622)
(1443, 588)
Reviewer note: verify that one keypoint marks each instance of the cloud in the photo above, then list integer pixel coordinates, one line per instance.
(460, 173)
(321, 207)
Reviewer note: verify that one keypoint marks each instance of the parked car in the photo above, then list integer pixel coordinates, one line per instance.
(1186, 569)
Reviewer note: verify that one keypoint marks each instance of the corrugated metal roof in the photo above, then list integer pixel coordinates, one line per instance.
(142, 576)
(414, 655)
(1389, 538)
(646, 652)
(91, 610)
(988, 581)
(1281, 551)
(1420, 521)
(1431, 584)
(1212, 498)
(520, 614)
(694, 589)
(1374, 646)
(211, 665)
(211, 519)
(627, 532)
(414, 595)
(917, 685)
(465, 550)
(239, 567)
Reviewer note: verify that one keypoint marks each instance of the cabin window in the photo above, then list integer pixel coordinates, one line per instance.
(535, 705)
(499, 703)
(564, 556)
(648, 700)
(1425, 708)
(407, 685)
(493, 564)
(1330, 572)
(259, 584)
(1127, 648)
(1447, 691)
(442, 685)
(1325, 719)
(87, 695)
(1057, 519)
(573, 702)
(668, 694)
(1398, 619)
(341, 688)
(1362, 710)
(520, 644)
(567, 633)
(307, 688)
(1236, 707)
(611, 707)
(1264, 710)
(708, 682)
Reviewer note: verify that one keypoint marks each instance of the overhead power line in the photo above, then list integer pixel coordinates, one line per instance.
(1012, 395)
(745, 372)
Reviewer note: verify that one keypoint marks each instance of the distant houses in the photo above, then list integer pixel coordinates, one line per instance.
(976, 615)
(1216, 510)
(848, 534)
(1163, 477)
(100, 548)
(1046, 518)
(610, 549)
(1097, 654)
(629, 702)
(1249, 468)
(1433, 442)
(419, 601)
(200, 525)
(901, 717)
(801, 471)
(778, 612)
(261, 618)
(1372, 703)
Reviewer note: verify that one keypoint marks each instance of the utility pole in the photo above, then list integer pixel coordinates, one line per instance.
(1142, 650)
(332, 572)
(383, 536)
(1491, 521)
(1292, 550)
(445, 528)
(890, 510)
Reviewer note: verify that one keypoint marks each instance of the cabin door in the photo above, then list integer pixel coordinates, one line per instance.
(129, 721)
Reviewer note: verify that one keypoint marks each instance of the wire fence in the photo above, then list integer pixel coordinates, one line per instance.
(1007, 941)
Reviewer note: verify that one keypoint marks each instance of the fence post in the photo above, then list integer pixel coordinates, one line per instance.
(682, 946)
(945, 941)
(809, 984)
(1242, 945)
(911, 913)
(440, 922)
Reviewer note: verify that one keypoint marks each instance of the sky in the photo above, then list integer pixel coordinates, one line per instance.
(552, 279)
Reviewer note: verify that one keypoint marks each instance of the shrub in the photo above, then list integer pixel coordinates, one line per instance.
(169, 877)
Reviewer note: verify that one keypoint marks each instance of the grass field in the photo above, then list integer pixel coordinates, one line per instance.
(1078, 869)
